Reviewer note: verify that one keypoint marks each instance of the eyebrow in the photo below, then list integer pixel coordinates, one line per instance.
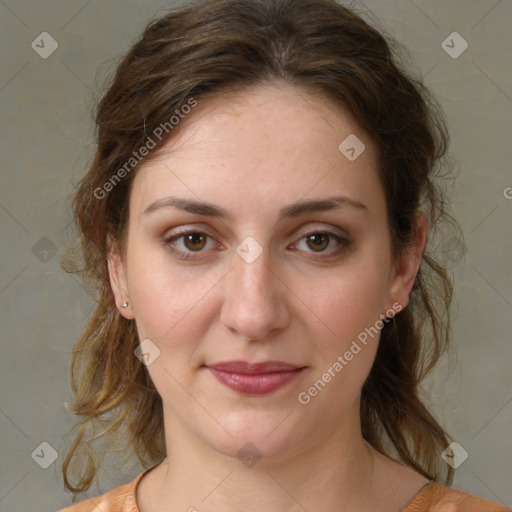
(292, 210)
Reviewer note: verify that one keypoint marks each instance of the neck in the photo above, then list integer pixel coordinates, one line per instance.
(195, 477)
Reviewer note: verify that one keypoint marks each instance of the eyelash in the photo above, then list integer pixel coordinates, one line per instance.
(189, 255)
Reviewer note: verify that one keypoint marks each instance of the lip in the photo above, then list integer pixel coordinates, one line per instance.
(255, 378)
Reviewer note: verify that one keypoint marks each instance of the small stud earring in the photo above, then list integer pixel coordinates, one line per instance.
(126, 306)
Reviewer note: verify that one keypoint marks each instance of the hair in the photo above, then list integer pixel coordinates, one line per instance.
(219, 46)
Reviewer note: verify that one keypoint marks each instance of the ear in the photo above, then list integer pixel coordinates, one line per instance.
(408, 264)
(118, 278)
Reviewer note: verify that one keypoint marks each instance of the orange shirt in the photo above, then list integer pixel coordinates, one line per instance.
(432, 498)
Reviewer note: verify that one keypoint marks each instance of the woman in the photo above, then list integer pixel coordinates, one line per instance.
(256, 222)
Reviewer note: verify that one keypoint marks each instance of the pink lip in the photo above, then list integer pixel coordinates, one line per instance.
(255, 378)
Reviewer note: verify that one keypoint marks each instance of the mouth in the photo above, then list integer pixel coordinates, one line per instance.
(255, 378)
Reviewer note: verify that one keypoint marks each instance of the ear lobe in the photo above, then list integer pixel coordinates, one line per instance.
(118, 278)
(408, 263)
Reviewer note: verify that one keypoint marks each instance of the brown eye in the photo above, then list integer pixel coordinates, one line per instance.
(317, 241)
(323, 243)
(184, 245)
(194, 241)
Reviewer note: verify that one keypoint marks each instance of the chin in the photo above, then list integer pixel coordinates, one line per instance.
(254, 434)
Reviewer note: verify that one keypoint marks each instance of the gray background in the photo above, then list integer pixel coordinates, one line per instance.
(47, 142)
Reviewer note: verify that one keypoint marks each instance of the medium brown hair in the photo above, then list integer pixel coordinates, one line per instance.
(218, 46)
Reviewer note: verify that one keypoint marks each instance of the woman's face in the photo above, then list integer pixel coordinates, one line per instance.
(287, 261)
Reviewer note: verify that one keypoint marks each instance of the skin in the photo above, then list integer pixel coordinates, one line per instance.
(253, 153)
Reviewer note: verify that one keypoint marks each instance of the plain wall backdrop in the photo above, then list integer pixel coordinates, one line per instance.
(47, 90)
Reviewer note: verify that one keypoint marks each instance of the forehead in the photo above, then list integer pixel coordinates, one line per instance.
(271, 142)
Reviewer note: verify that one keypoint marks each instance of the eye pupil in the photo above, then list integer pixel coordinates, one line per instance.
(194, 239)
(319, 240)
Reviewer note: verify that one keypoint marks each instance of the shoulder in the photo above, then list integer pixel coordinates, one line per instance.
(120, 499)
(439, 498)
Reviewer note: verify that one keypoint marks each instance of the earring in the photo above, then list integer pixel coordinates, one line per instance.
(126, 306)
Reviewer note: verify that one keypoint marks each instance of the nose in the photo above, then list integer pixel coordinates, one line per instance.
(255, 302)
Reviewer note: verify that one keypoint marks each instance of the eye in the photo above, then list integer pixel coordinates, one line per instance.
(320, 241)
(190, 242)
(185, 244)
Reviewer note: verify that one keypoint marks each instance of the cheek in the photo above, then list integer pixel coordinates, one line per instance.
(168, 298)
(172, 312)
(355, 340)
(350, 308)
(349, 303)
(352, 299)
